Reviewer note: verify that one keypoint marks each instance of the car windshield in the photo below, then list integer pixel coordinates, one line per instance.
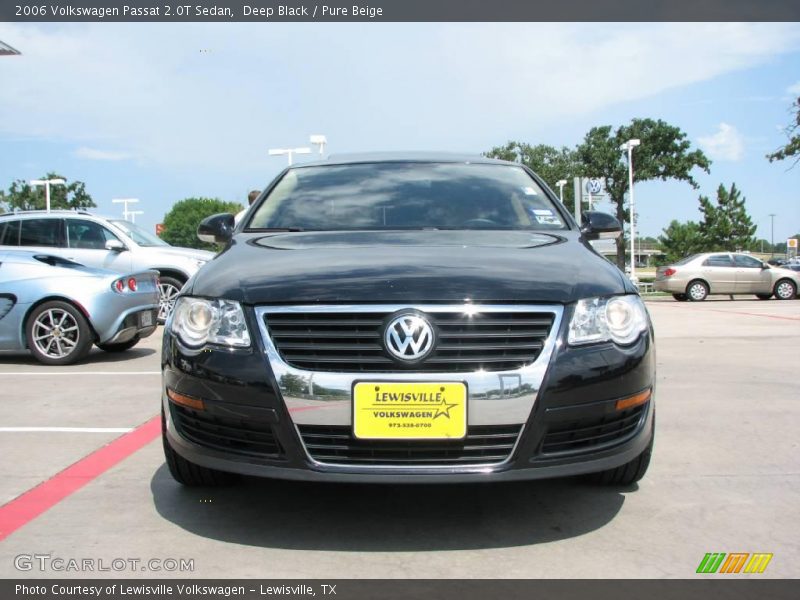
(406, 195)
(139, 235)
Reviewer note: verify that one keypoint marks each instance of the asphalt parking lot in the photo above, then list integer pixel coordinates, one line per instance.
(725, 478)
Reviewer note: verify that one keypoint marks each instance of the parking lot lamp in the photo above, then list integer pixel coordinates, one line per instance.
(6, 50)
(628, 147)
(319, 140)
(290, 152)
(561, 183)
(47, 183)
(125, 201)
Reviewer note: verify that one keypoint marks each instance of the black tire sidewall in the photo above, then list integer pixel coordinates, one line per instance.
(85, 333)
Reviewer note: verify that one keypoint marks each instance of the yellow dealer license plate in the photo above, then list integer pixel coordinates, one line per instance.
(393, 410)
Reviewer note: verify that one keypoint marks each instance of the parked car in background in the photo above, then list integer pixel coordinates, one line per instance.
(699, 275)
(111, 244)
(57, 308)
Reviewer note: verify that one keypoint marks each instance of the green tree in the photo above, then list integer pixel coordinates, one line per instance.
(792, 147)
(180, 223)
(726, 224)
(23, 196)
(548, 162)
(664, 154)
(681, 239)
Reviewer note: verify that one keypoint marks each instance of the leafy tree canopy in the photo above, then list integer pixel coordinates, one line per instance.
(23, 196)
(550, 163)
(180, 223)
(792, 147)
(665, 153)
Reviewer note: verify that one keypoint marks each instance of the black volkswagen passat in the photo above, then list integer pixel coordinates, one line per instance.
(408, 319)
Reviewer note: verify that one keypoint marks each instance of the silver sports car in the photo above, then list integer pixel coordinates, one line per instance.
(57, 308)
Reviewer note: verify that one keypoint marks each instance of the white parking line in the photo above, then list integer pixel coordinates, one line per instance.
(45, 373)
(65, 429)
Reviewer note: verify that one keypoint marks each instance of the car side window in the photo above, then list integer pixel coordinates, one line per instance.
(9, 233)
(40, 232)
(87, 235)
(718, 260)
(746, 261)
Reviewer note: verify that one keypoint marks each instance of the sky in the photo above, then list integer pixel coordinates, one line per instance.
(165, 111)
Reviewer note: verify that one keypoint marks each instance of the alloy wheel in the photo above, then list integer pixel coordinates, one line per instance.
(167, 295)
(784, 290)
(56, 333)
(697, 291)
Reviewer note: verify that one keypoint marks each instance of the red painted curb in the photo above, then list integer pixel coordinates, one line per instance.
(23, 509)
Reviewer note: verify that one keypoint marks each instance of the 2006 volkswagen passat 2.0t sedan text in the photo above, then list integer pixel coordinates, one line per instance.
(389, 318)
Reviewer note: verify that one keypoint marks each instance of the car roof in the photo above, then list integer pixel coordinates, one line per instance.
(386, 157)
(59, 213)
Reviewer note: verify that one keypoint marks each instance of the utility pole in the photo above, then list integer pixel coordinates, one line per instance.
(772, 235)
(47, 183)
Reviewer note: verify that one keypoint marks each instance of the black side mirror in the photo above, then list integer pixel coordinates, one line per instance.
(216, 229)
(597, 225)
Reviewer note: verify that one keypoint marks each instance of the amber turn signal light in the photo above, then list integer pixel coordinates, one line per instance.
(184, 400)
(634, 400)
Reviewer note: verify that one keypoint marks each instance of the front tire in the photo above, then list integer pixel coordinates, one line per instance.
(58, 333)
(630, 472)
(785, 290)
(168, 288)
(697, 291)
(121, 347)
(188, 473)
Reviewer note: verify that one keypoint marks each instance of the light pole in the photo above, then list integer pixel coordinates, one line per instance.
(133, 213)
(560, 184)
(772, 235)
(125, 201)
(290, 152)
(47, 183)
(628, 147)
(318, 140)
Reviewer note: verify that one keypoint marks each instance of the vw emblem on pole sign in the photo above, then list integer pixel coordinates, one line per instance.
(409, 337)
(594, 187)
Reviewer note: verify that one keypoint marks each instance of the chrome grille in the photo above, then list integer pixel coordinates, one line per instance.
(483, 445)
(352, 341)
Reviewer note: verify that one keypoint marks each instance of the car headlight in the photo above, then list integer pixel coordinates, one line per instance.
(619, 319)
(198, 321)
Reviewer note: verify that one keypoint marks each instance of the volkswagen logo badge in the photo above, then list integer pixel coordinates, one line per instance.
(409, 337)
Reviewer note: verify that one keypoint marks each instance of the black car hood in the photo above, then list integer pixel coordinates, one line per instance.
(408, 268)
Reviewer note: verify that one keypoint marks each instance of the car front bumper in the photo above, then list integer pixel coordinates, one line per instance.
(572, 427)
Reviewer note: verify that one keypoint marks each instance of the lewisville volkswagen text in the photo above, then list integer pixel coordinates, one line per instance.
(408, 318)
